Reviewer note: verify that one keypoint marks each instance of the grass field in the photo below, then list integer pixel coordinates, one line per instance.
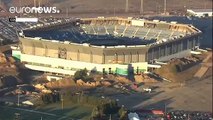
(70, 111)
(9, 114)
(48, 112)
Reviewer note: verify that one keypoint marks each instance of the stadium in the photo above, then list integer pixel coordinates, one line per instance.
(106, 45)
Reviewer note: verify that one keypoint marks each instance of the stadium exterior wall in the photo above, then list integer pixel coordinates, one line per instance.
(68, 67)
(180, 47)
(65, 58)
(44, 55)
(76, 52)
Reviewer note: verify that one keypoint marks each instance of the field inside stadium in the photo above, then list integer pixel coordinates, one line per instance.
(110, 32)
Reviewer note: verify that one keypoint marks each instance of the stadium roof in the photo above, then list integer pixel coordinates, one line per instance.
(78, 35)
(110, 32)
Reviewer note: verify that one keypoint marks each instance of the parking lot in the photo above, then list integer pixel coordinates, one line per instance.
(194, 96)
(8, 30)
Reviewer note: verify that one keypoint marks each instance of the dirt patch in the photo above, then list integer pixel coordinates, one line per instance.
(7, 66)
(208, 73)
(144, 78)
(2, 58)
(61, 84)
(179, 70)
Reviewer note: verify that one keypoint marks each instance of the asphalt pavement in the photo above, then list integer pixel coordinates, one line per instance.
(195, 95)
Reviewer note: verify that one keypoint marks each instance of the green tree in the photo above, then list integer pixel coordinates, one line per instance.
(95, 112)
(122, 113)
(81, 74)
(50, 98)
(101, 110)
(45, 99)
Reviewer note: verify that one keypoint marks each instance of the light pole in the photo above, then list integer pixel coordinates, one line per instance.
(34, 3)
(141, 11)
(114, 11)
(20, 5)
(165, 105)
(127, 6)
(1, 40)
(204, 2)
(67, 12)
(185, 9)
(62, 102)
(39, 3)
(18, 99)
(164, 7)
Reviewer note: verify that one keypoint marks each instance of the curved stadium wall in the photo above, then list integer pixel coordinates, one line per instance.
(66, 57)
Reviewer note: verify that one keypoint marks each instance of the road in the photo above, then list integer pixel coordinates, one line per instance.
(205, 66)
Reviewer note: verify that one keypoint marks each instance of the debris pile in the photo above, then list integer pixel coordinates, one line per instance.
(144, 78)
(2, 58)
(177, 67)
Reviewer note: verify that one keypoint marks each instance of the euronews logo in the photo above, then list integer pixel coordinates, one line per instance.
(40, 10)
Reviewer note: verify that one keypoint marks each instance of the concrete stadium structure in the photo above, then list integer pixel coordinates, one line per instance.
(200, 12)
(111, 45)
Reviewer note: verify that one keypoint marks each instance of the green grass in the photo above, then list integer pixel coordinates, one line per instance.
(70, 111)
(9, 114)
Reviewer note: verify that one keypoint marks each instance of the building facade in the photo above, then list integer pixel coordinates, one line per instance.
(64, 57)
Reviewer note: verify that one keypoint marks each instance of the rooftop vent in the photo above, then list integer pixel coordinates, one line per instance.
(173, 22)
(37, 38)
(155, 20)
(85, 44)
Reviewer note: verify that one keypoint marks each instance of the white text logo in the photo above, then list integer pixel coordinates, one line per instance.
(34, 10)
